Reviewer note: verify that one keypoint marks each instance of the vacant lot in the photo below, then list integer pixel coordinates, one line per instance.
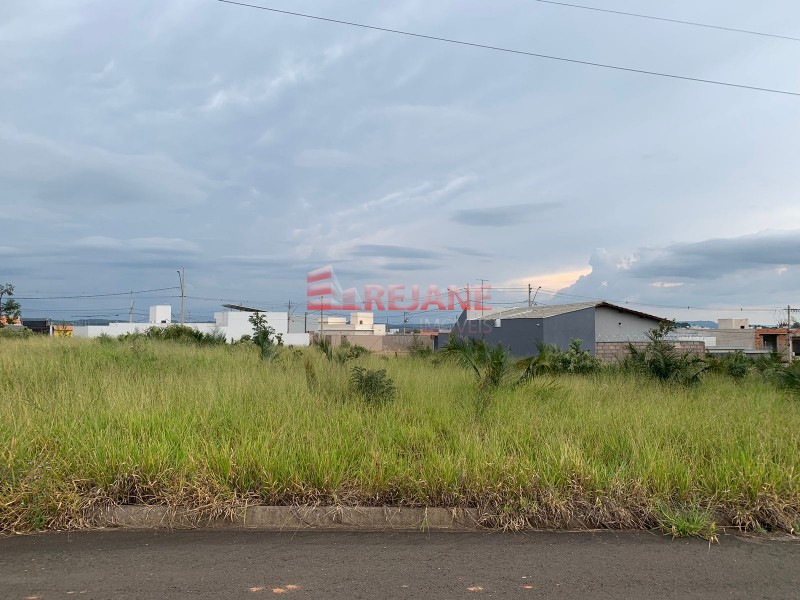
(87, 423)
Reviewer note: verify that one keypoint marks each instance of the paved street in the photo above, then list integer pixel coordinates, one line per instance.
(308, 564)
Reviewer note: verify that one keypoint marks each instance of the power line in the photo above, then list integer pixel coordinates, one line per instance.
(511, 289)
(520, 52)
(668, 20)
(128, 293)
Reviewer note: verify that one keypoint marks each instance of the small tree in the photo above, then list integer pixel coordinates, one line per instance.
(10, 309)
(264, 336)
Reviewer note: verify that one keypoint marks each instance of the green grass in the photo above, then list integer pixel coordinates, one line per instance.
(87, 423)
(689, 523)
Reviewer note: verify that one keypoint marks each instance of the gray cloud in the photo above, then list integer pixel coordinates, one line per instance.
(76, 176)
(753, 270)
(263, 146)
(714, 258)
(384, 251)
(468, 251)
(503, 216)
(408, 266)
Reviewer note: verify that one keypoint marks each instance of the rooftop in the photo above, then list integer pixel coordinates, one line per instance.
(551, 310)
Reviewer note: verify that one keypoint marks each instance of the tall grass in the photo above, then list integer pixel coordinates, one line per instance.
(86, 424)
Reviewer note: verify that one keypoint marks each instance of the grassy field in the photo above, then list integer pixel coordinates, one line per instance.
(85, 423)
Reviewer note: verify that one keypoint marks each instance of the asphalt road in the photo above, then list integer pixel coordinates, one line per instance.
(223, 564)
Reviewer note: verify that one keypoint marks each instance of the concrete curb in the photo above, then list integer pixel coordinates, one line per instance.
(278, 518)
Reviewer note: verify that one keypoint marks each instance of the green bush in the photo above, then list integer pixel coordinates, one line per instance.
(373, 385)
(418, 349)
(551, 360)
(178, 333)
(767, 363)
(264, 336)
(662, 360)
(354, 351)
(14, 333)
(344, 353)
(734, 364)
(491, 365)
(788, 377)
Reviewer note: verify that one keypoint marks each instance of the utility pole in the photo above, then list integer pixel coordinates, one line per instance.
(130, 318)
(483, 290)
(305, 322)
(182, 277)
(289, 317)
(320, 317)
(789, 333)
(405, 320)
(530, 289)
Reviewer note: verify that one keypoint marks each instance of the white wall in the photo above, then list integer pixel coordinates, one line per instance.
(612, 325)
(233, 324)
(161, 313)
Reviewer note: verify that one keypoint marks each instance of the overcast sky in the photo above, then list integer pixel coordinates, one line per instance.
(139, 137)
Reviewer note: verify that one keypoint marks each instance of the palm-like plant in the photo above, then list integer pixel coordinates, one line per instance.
(491, 365)
(662, 360)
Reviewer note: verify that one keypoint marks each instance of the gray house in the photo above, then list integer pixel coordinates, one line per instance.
(522, 329)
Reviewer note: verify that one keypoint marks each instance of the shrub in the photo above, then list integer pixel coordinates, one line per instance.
(788, 377)
(552, 360)
(661, 360)
(767, 363)
(185, 334)
(15, 333)
(418, 349)
(374, 386)
(354, 351)
(491, 365)
(734, 364)
(345, 352)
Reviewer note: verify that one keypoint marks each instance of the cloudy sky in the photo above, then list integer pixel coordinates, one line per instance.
(250, 147)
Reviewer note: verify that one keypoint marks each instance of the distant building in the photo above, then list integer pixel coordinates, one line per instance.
(361, 323)
(721, 340)
(774, 339)
(604, 329)
(733, 323)
(233, 324)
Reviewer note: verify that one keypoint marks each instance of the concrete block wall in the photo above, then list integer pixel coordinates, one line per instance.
(382, 344)
(613, 352)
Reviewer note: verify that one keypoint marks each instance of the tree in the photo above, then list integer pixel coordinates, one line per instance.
(264, 336)
(10, 310)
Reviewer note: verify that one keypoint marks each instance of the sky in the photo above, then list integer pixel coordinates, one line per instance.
(249, 147)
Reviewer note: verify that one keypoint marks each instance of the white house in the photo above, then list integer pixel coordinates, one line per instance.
(234, 324)
(361, 323)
